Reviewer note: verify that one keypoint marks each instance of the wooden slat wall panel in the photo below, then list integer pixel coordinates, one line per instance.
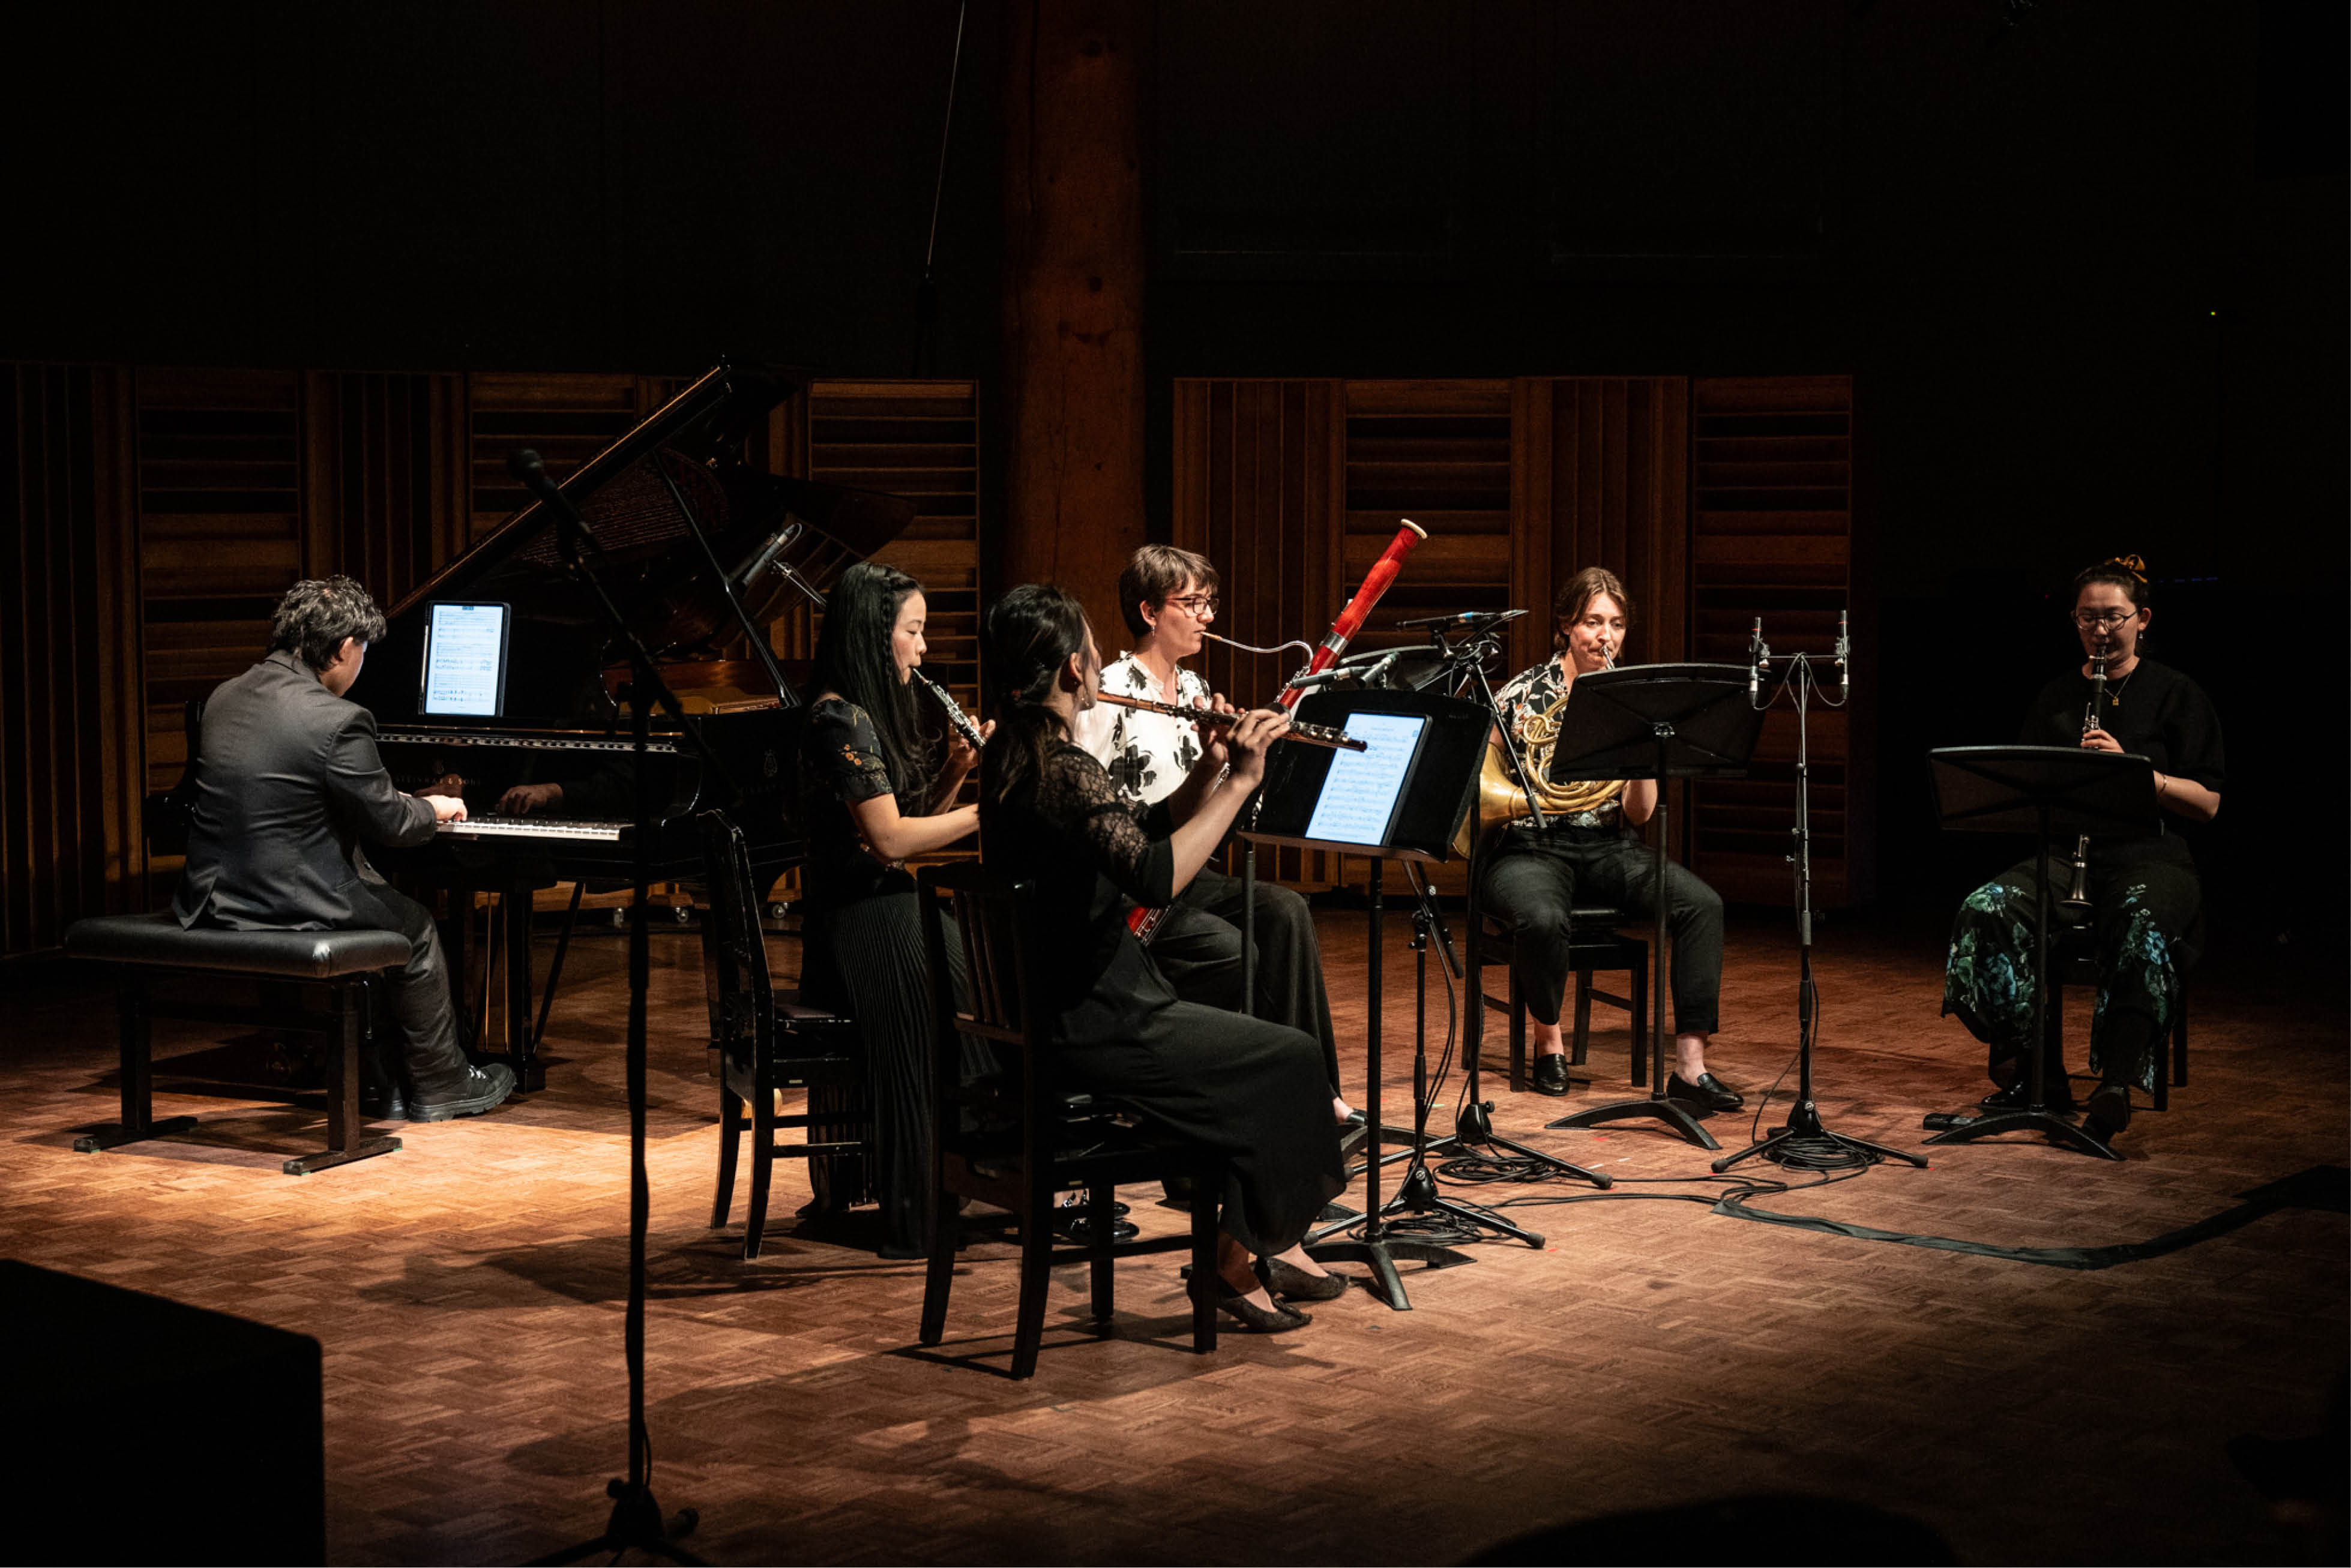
(220, 535)
(69, 702)
(1260, 488)
(1773, 536)
(567, 419)
(385, 477)
(1600, 478)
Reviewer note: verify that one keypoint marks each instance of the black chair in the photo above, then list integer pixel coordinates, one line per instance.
(1595, 944)
(1019, 1138)
(158, 959)
(767, 1043)
(2073, 961)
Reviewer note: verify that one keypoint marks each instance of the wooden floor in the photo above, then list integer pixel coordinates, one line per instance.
(468, 1293)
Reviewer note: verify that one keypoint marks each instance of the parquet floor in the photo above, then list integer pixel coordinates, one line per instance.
(468, 1293)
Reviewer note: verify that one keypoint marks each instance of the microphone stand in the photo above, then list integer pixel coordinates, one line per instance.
(637, 1522)
(1805, 1137)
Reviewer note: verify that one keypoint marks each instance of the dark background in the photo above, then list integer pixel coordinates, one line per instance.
(2086, 259)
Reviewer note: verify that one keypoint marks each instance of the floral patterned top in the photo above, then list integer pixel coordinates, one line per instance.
(1146, 755)
(841, 764)
(1532, 692)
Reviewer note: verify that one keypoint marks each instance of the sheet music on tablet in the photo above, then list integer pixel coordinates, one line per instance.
(466, 659)
(1361, 792)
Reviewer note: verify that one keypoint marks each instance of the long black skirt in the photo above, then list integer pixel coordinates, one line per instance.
(1253, 1090)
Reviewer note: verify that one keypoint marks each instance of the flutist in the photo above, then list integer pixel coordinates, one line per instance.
(1168, 597)
(2141, 894)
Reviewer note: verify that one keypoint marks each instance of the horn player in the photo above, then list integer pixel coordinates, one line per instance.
(1588, 850)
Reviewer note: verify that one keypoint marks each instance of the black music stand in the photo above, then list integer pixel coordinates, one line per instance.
(2044, 791)
(1663, 722)
(1434, 794)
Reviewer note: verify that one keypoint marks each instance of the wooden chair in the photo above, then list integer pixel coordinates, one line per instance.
(1595, 944)
(768, 1042)
(2073, 962)
(1020, 1138)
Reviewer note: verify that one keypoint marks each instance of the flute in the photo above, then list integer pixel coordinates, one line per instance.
(1311, 734)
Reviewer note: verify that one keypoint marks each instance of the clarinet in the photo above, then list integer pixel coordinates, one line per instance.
(2076, 902)
(958, 720)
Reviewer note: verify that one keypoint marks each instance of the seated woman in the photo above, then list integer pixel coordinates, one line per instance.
(871, 794)
(2143, 890)
(1251, 1088)
(1535, 876)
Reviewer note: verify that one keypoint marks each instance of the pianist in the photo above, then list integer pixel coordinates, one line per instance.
(287, 784)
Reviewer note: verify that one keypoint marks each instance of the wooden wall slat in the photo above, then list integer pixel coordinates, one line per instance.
(1773, 534)
(69, 844)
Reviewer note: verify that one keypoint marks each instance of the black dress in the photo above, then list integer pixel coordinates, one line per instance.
(1251, 1088)
(864, 956)
(2144, 893)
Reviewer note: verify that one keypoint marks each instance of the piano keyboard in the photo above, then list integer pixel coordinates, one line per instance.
(532, 828)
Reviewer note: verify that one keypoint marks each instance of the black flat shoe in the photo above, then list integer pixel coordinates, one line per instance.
(1252, 1318)
(1709, 1093)
(2058, 1096)
(2108, 1112)
(1288, 1281)
(1550, 1076)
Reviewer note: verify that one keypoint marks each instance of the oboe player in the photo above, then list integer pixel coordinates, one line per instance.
(1168, 597)
(2143, 890)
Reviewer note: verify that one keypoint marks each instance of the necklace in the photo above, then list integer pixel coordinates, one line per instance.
(2115, 697)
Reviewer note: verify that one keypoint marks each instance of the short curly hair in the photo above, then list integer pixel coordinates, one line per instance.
(318, 613)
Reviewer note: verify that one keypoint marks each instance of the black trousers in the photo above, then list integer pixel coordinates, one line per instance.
(1198, 947)
(419, 1001)
(1535, 879)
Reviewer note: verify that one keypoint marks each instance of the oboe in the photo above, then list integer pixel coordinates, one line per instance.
(1310, 734)
(2076, 902)
(958, 720)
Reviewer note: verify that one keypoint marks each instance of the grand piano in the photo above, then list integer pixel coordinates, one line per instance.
(694, 542)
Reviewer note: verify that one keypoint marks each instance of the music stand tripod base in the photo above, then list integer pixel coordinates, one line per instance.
(1382, 1250)
(1968, 1129)
(1675, 1115)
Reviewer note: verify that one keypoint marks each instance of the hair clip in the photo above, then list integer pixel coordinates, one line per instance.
(2129, 563)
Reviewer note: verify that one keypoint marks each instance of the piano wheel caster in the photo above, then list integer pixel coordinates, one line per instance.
(681, 913)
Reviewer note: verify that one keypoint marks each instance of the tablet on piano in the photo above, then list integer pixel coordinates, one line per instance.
(465, 658)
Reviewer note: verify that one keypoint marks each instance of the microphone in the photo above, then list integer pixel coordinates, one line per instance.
(1305, 680)
(1843, 656)
(1755, 661)
(529, 471)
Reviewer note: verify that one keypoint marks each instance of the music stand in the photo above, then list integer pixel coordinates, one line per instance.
(2044, 791)
(1661, 722)
(1428, 804)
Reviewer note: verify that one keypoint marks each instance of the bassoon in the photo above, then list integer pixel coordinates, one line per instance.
(1144, 923)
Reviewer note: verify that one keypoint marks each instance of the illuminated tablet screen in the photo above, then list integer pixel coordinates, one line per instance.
(1361, 792)
(466, 659)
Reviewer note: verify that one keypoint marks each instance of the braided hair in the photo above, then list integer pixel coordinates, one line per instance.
(1029, 635)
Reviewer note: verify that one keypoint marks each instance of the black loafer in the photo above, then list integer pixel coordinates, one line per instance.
(484, 1089)
(2108, 1112)
(1550, 1076)
(1709, 1093)
(2058, 1096)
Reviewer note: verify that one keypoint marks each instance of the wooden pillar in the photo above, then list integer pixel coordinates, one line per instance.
(1073, 298)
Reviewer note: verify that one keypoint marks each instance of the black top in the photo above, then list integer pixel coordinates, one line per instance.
(2155, 713)
(1090, 856)
(841, 764)
(287, 784)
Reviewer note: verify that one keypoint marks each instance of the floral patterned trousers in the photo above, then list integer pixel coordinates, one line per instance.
(2144, 902)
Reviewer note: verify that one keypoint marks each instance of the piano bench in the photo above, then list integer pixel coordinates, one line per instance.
(155, 957)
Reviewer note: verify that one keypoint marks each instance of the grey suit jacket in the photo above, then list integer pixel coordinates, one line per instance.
(287, 781)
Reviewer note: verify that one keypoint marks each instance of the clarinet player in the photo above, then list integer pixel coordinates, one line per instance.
(2142, 891)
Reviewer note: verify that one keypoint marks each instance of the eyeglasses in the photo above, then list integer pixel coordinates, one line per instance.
(2090, 620)
(1203, 605)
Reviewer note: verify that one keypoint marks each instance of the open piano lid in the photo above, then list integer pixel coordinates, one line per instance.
(694, 454)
